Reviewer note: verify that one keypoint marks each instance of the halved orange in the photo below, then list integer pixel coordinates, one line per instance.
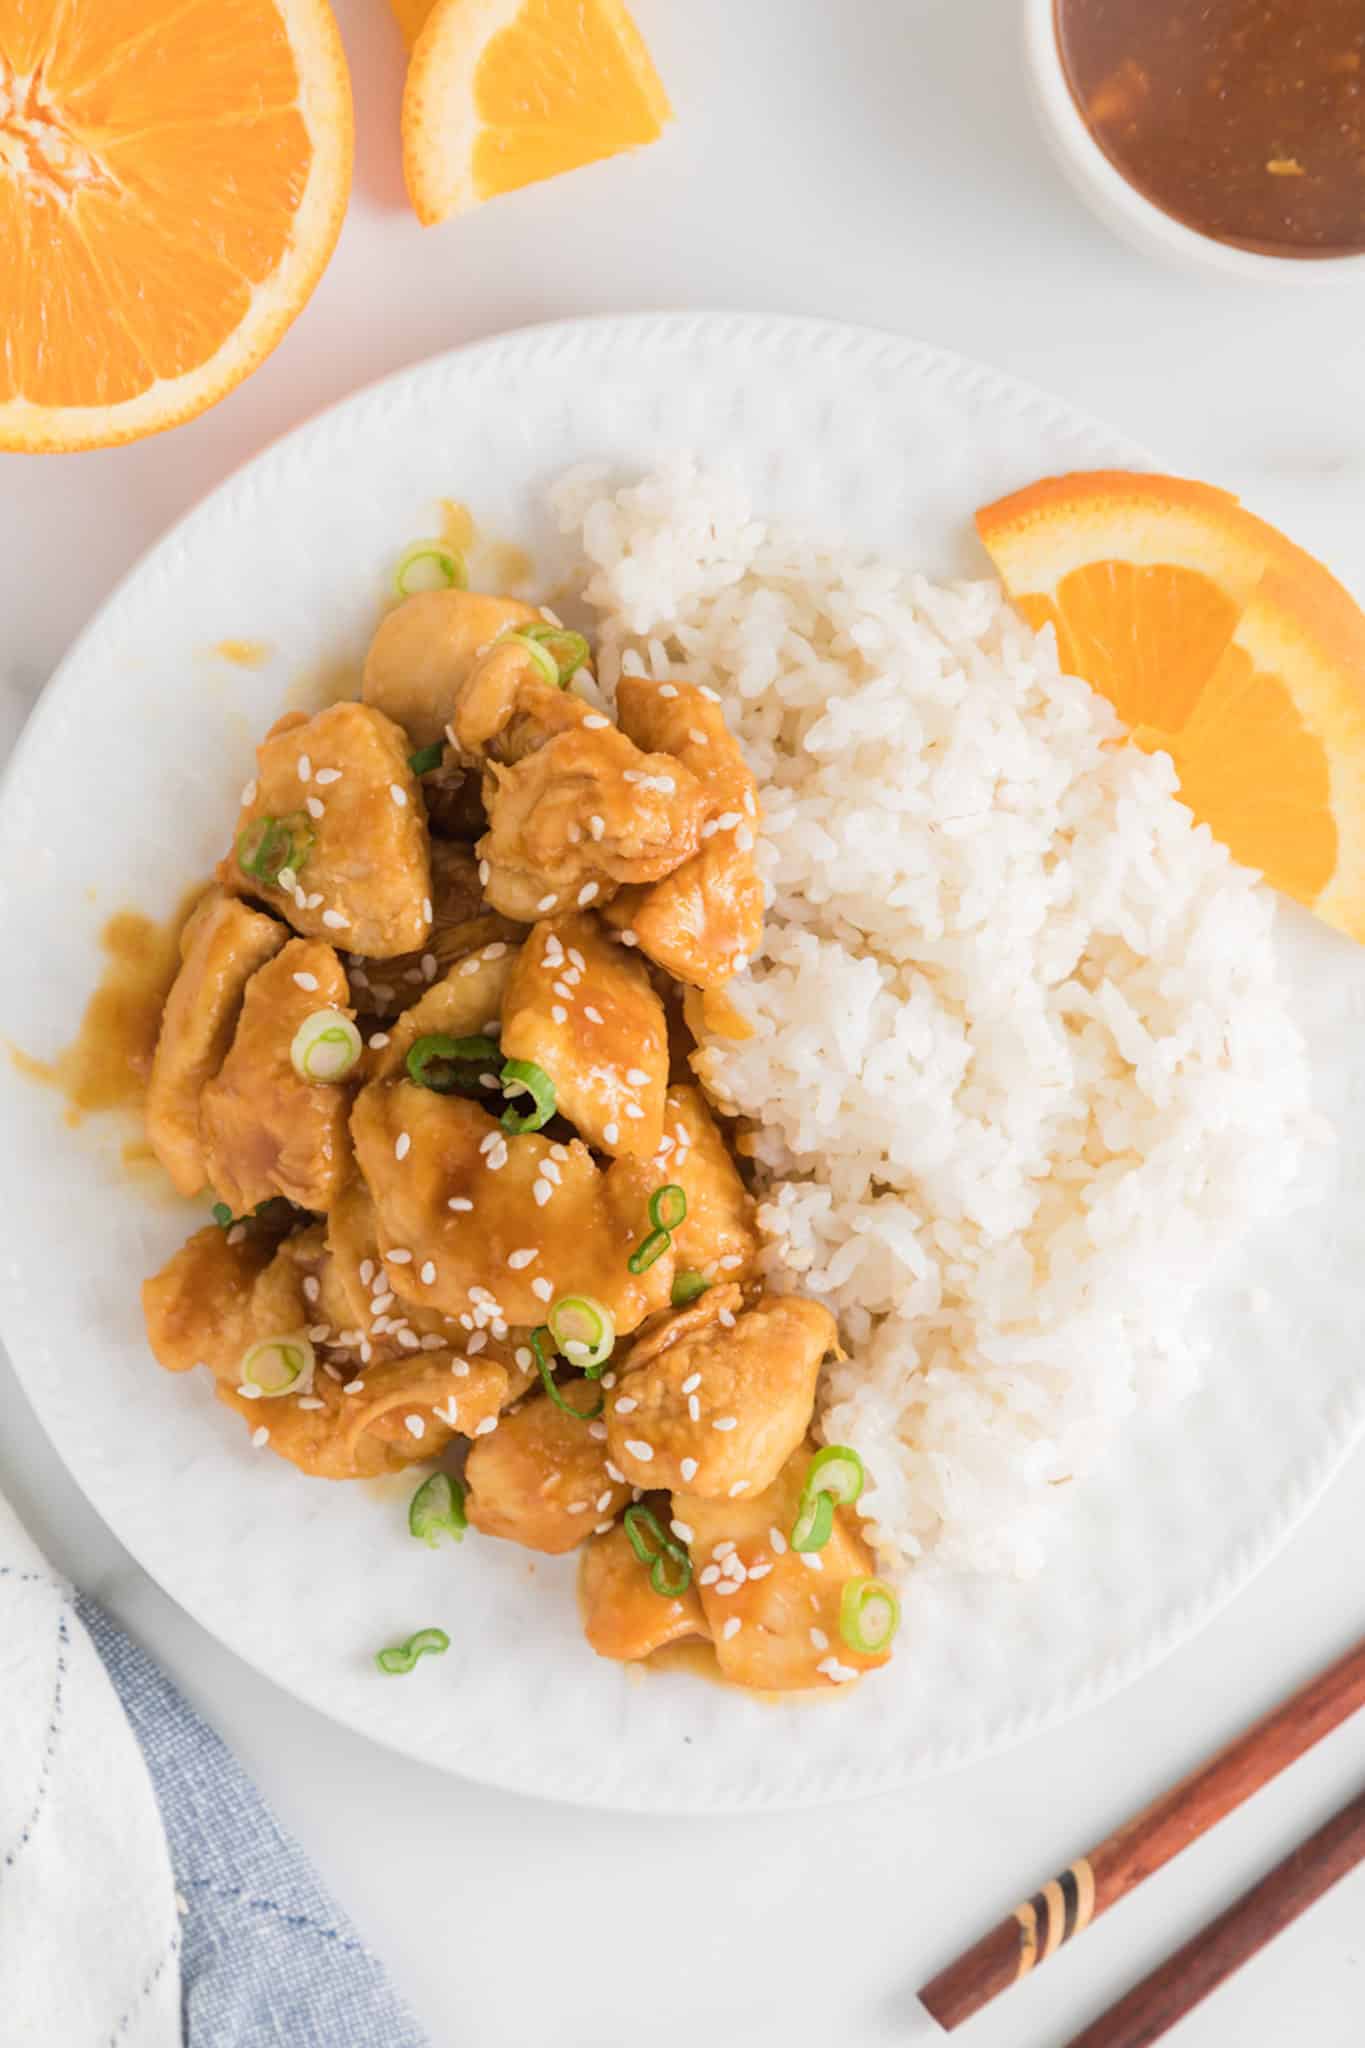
(1218, 641)
(173, 176)
(502, 93)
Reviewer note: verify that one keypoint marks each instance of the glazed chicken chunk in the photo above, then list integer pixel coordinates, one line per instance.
(718, 1238)
(466, 1003)
(221, 947)
(264, 1130)
(460, 923)
(332, 833)
(719, 1408)
(581, 1009)
(786, 1602)
(425, 649)
(542, 1478)
(704, 921)
(623, 1616)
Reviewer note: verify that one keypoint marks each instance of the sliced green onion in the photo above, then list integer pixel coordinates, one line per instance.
(268, 845)
(567, 650)
(671, 1588)
(434, 1061)
(541, 656)
(584, 1330)
(644, 1533)
(279, 1365)
(645, 1253)
(222, 1215)
(667, 1207)
(688, 1286)
(653, 1548)
(428, 1642)
(814, 1523)
(526, 1074)
(437, 1509)
(838, 1471)
(869, 1615)
(548, 1381)
(430, 565)
(426, 758)
(326, 1046)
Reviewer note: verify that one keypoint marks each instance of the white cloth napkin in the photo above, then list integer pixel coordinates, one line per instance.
(89, 1926)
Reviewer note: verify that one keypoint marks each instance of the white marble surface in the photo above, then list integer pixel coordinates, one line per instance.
(874, 161)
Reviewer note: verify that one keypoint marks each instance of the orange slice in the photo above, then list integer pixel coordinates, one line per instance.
(173, 176)
(1219, 642)
(502, 93)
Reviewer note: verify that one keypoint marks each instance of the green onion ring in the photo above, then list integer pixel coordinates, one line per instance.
(814, 1524)
(222, 1216)
(326, 1046)
(428, 1642)
(427, 758)
(437, 567)
(548, 1381)
(644, 1533)
(688, 1286)
(541, 656)
(266, 846)
(528, 1075)
(869, 1615)
(433, 1060)
(550, 637)
(584, 1329)
(668, 1207)
(672, 1553)
(653, 1247)
(437, 1509)
(279, 1365)
(838, 1471)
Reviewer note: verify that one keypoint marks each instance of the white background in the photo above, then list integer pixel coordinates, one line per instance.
(873, 160)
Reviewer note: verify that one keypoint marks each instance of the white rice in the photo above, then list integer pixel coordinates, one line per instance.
(1022, 1065)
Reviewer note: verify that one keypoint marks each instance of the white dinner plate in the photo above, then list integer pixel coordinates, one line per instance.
(122, 792)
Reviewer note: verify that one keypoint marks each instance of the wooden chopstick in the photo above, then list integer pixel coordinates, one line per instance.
(1089, 1886)
(1187, 1977)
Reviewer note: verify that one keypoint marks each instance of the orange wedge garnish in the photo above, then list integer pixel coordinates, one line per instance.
(1218, 641)
(501, 93)
(172, 182)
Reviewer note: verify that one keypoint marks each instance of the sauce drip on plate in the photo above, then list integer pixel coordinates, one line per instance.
(1243, 119)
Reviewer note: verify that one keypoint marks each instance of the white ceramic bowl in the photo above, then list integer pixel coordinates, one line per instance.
(1121, 206)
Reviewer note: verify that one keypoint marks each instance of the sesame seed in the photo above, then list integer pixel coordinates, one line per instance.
(759, 1571)
(613, 1472)
(415, 1425)
(547, 902)
(379, 1302)
(777, 1541)
(484, 872)
(593, 1016)
(399, 1256)
(744, 839)
(314, 901)
(667, 690)
(707, 691)
(837, 1673)
(609, 1380)
(315, 807)
(577, 1507)
(470, 966)
(248, 793)
(694, 1407)
(548, 1170)
(728, 820)
(354, 1387)
(559, 1152)
(248, 1392)
(602, 1502)
(306, 981)
(818, 1639)
(740, 1486)
(587, 893)
(428, 1273)
(524, 1357)
(726, 1318)
(429, 966)
(562, 990)
(627, 1405)
(402, 1145)
(305, 768)
(726, 1422)
(310, 1401)
(335, 921)
(287, 879)
(412, 976)
(426, 909)
(688, 1469)
(541, 1192)
(260, 1438)
(326, 775)
(543, 1289)
(595, 722)
(460, 1204)
(598, 1432)
(709, 1575)
(637, 1077)
(237, 1234)
(497, 1157)
(640, 1450)
(311, 1289)
(487, 1426)
(730, 1262)
(611, 1132)
(628, 938)
(597, 826)
(732, 1627)
(318, 1333)
(691, 1383)
(399, 794)
(812, 1559)
(633, 1109)
(559, 1013)
(516, 1260)
(728, 1586)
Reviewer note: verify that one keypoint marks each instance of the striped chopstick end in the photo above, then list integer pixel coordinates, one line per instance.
(1065, 1906)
